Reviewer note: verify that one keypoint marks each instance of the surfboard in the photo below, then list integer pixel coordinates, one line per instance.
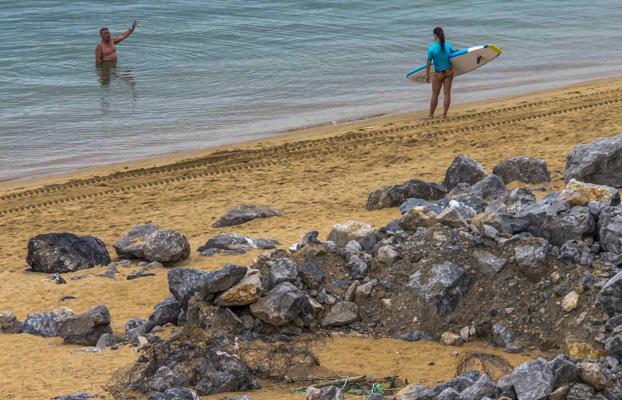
(462, 61)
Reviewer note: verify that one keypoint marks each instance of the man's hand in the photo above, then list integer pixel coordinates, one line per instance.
(134, 25)
(127, 33)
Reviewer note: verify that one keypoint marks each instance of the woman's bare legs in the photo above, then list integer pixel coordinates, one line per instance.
(449, 77)
(437, 83)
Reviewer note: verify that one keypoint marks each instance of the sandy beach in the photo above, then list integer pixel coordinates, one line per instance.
(319, 177)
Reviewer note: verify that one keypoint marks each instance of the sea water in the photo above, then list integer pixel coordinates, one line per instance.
(198, 73)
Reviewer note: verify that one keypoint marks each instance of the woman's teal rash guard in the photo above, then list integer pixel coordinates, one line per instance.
(440, 58)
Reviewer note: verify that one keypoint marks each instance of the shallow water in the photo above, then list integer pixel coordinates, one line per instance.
(198, 73)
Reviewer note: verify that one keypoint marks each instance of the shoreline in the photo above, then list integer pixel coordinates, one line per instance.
(313, 131)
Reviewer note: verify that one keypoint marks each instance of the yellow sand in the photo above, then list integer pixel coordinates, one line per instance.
(319, 176)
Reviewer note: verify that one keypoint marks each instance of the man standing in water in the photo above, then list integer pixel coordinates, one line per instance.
(105, 50)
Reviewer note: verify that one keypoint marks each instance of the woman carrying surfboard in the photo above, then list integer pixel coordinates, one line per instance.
(438, 54)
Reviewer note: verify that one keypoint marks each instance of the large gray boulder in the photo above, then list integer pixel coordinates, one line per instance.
(483, 387)
(489, 188)
(610, 229)
(441, 285)
(245, 212)
(282, 305)
(65, 252)
(342, 313)
(610, 296)
(44, 323)
(463, 170)
(85, 328)
(149, 242)
(282, 270)
(524, 169)
(532, 380)
(575, 224)
(564, 370)
(341, 234)
(393, 196)
(184, 282)
(597, 162)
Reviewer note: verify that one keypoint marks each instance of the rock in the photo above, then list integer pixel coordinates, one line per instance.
(530, 255)
(610, 229)
(375, 396)
(108, 340)
(57, 278)
(564, 371)
(418, 217)
(245, 292)
(282, 270)
(358, 267)
(581, 392)
(85, 328)
(312, 393)
(393, 196)
(524, 169)
(342, 313)
(441, 286)
(532, 380)
(483, 387)
(148, 242)
(387, 255)
(416, 336)
(578, 193)
(451, 217)
(448, 394)
(413, 202)
(44, 324)
(341, 234)
(597, 162)
(282, 305)
(569, 302)
(354, 247)
(501, 335)
(451, 339)
(311, 275)
(591, 374)
(331, 393)
(575, 252)
(488, 263)
(613, 346)
(184, 282)
(176, 393)
(491, 187)
(164, 313)
(560, 393)
(9, 323)
(243, 213)
(191, 359)
(65, 252)
(234, 243)
(610, 296)
(363, 292)
(575, 224)
(415, 392)
(76, 396)
(141, 273)
(211, 319)
(463, 170)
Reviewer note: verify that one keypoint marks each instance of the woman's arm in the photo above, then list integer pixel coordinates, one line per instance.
(427, 71)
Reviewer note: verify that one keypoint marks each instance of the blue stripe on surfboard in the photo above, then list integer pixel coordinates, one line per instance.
(452, 55)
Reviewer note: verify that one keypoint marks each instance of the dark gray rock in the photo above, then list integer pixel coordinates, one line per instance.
(282, 270)
(575, 252)
(76, 396)
(164, 313)
(393, 196)
(417, 392)
(610, 229)
(243, 213)
(581, 391)
(613, 346)
(311, 275)
(375, 396)
(331, 393)
(489, 263)
(57, 278)
(414, 202)
(108, 340)
(44, 323)
(85, 328)
(463, 170)
(524, 169)
(530, 255)
(448, 394)
(441, 286)
(532, 380)
(342, 313)
(501, 335)
(141, 273)
(228, 243)
(177, 393)
(148, 242)
(610, 296)
(9, 323)
(483, 387)
(564, 371)
(359, 268)
(184, 282)
(597, 162)
(519, 198)
(576, 224)
(416, 336)
(65, 252)
(282, 305)
(489, 188)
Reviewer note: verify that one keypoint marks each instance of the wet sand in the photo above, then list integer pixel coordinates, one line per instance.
(319, 176)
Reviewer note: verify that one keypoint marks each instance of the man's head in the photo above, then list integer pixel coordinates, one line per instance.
(105, 34)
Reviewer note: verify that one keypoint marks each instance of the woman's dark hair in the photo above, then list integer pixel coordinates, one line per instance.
(438, 31)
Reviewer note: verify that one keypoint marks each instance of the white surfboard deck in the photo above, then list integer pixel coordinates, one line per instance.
(462, 61)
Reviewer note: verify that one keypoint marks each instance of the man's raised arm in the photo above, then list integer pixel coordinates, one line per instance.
(125, 34)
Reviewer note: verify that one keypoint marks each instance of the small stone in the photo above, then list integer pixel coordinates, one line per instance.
(569, 302)
(451, 339)
(591, 374)
(387, 255)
